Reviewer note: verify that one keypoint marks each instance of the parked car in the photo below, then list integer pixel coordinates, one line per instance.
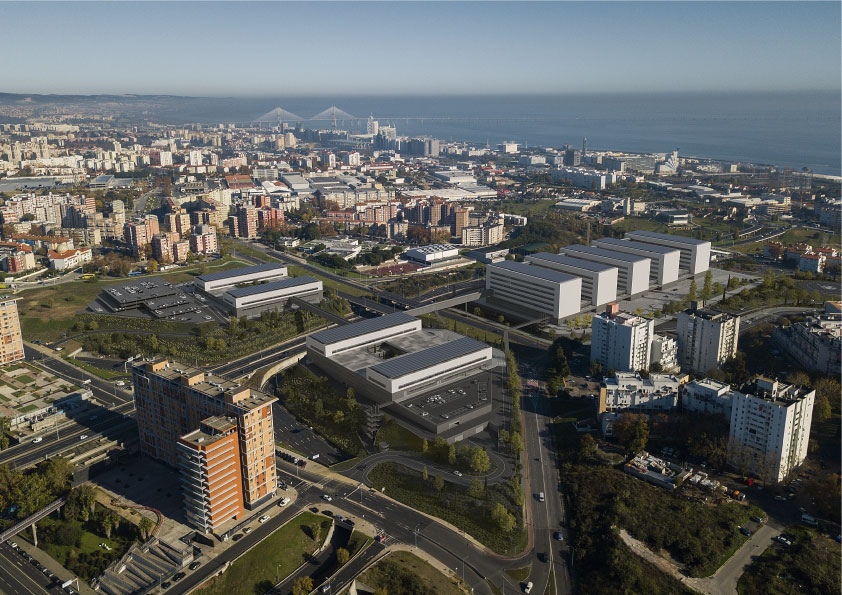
(745, 531)
(37, 439)
(247, 530)
(194, 565)
(283, 502)
(237, 537)
(558, 536)
(263, 519)
(178, 576)
(457, 473)
(757, 519)
(528, 587)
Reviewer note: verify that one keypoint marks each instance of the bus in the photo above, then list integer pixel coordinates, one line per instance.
(88, 276)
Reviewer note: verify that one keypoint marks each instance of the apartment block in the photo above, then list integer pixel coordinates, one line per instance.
(706, 339)
(11, 340)
(621, 341)
(630, 392)
(172, 399)
(707, 396)
(815, 344)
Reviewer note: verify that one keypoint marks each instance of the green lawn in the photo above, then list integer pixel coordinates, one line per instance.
(519, 574)
(398, 437)
(273, 559)
(403, 573)
(27, 408)
(24, 379)
(297, 271)
(91, 369)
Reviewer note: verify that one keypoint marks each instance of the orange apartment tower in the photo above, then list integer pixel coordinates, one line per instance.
(173, 399)
(11, 340)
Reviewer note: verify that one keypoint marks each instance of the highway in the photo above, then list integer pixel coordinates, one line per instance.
(19, 577)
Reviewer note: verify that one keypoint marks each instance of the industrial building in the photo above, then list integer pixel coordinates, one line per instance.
(663, 261)
(632, 270)
(695, 254)
(599, 281)
(434, 381)
(534, 289)
(706, 338)
(252, 300)
(217, 283)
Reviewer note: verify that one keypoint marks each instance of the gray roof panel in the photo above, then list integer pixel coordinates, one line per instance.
(596, 267)
(413, 362)
(259, 268)
(579, 249)
(274, 285)
(665, 236)
(654, 248)
(349, 331)
(534, 271)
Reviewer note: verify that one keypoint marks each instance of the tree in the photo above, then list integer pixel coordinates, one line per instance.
(707, 288)
(342, 556)
(5, 425)
(475, 490)
(517, 444)
(151, 265)
(145, 527)
(424, 474)
(632, 431)
(438, 483)
(829, 388)
(302, 585)
(56, 473)
(504, 519)
(451, 454)
(596, 368)
(821, 409)
(691, 295)
(425, 446)
(798, 378)
(480, 462)
(587, 447)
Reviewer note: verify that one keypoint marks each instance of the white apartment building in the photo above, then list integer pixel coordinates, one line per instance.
(630, 392)
(482, 235)
(632, 270)
(664, 352)
(663, 261)
(706, 339)
(707, 396)
(599, 281)
(770, 428)
(695, 254)
(621, 341)
(540, 290)
(816, 343)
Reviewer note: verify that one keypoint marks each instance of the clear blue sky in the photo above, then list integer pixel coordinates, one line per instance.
(269, 49)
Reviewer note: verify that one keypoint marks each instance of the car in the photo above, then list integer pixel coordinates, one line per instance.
(540, 496)
(379, 538)
(757, 519)
(237, 537)
(783, 540)
(263, 519)
(166, 585)
(527, 588)
(327, 512)
(558, 536)
(543, 557)
(120, 383)
(34, 562)
(247, 530)
(780, 498)
(37, 439)
(350, 522)
(178, 576)
(314, 510)
(327, 498)
(194, 565)
(83, 437)
(283, 502)
(745, 531)
(457, 473)
(325, 588)
(14, 545)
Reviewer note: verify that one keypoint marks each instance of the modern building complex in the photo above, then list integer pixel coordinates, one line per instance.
(621, 341)
(432, 254)
(151, 295)
(815, 344)
(599, 281)
(173, 400)
(632, 270)
(706, 338)
(252, 300)
(209, 461)
(11, 340)
(630, 392)
(411, 373)
(663, 261)
(534, 289)
(770, 428)
(224, 280)
(695, 254)
(707, 396)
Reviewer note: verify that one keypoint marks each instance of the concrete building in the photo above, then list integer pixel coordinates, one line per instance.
(599, 281)
(621, 341)
(770, 428)
(533, 288)
(224, 280)
(695, 254)
(203, 241)
(209, 461)
(432, 254)
(11, 340)
(665, 353)
(706, 339)
(707, 396)
(630, 392)
(663, 261)
(632, 270)
(815, 344)
(483, 235)
(172, 399)
(252, 300)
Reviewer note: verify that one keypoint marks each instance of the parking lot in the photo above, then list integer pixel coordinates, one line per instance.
(300, 438)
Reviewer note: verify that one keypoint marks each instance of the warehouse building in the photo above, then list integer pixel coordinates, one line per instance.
(599, 281)
(695, 254)
(217, 283)
(533, 288)
(663, 261)
(433, 254)
(251, 301)
(632, 270)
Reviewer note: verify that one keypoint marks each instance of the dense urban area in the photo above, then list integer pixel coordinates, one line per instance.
(299, 355)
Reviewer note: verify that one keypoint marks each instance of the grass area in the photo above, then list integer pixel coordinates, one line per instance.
(398, 437)
(346, 465)
(24, 379)
(519, 574)
(462, 328)
(91, 369)
(536, 208)
(550, 590)
(403, 573)
(297, 271)
(455, 505)
(273, 559)
(27, 408)
(417, 284)
(810, 565)
(493, 587)
(242, 248)
(810, 236)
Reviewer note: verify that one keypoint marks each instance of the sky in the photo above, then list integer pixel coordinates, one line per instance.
(403, 48)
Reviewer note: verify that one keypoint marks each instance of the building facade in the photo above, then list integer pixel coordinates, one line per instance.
(621, 341)
(11, 340)
(706, 339)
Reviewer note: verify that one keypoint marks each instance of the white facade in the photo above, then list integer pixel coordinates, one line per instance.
(228, 279)
(664, 352)
(622, 342)
(535, 288)
(770, 429)
(599, 281)
(387, 327)
(706, 339)
(695, 254)
(272, 292)
(630, 392)
(664, 262)
(432, 253)
(707, 396)
(632, 270)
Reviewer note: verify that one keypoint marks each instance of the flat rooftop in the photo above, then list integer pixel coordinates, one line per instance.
(654, 248)
(665, 236)
(259, 268)
(587, 265)
(197, 437)
(453, 400)
(364, 357)
(349, 331)
(604, 252)
(219, 423)
(140, 291)
(273, 286)
(419, 360)
(534, 271)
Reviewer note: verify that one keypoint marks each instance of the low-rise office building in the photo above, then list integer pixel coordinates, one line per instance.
(599, 281)
(630, 392)
(222, 281)
(695, 254)
(432, 254)
(663, 261)
(534, 289)
(632, 270)
(253, 300)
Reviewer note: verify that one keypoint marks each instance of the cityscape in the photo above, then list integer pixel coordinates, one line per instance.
(336, 333)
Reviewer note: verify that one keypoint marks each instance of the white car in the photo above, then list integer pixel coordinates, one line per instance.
(263, 519)
(283, 502)
(121, 383)
(37, 439)
(528, 587)
(457, 473)
(83, 437)
(327, 498)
